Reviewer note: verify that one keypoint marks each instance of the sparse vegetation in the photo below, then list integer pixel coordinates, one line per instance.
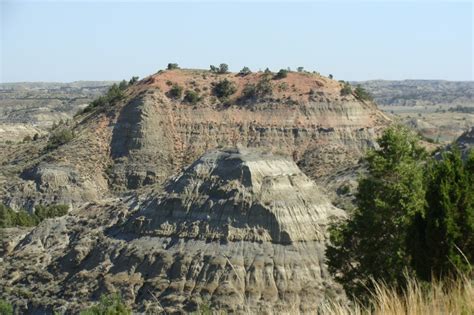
(59, 137)
(108, 305)
(10, 218)
(51, 211)
(191, 97)
(222, 69)
(254, 91)
(175, 92)
(461, 109)
(224, 89)
(172, 66)
(439, 297)
(300, 69)
(346, 89)
(245, 71)
(361, 94)
(281, 74)
(133, 80)
(114, 94)
(5, 308)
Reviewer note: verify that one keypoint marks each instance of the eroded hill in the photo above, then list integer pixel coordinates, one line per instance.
(243, 229)
(150, 133)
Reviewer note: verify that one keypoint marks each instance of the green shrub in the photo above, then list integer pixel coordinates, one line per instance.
(331, 76)
(51, 211)
(123, 85)
(245, 71)
(191, 97)
(108, 305)
(223, 68)
(114, 94)
(172, 66)
(59, 137)
(10, 218)
(5, 308)
(300, 69)
(175, 92)
(254, 91)
(249, 91)
(346, 89)
(224, 89)
(361, 94)
(281, 74)
(133, 80)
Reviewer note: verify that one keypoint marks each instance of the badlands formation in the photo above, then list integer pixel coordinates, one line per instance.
(177, 204)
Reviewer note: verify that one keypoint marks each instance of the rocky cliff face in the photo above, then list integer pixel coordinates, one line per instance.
(304, 117)
(239, 229)
(151, 134)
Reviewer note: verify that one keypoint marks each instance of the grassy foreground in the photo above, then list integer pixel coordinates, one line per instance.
(440, 297)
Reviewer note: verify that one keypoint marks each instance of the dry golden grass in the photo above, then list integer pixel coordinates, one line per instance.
(444, 297)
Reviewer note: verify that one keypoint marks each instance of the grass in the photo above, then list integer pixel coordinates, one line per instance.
(440, 297)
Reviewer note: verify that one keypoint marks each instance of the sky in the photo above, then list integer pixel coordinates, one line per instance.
(110, 40)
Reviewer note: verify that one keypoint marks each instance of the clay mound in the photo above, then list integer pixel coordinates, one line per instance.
(240, 230)
(239, 194)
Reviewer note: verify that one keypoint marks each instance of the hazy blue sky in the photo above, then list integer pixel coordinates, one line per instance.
(106, 40)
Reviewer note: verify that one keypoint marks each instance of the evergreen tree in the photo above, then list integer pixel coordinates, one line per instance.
(373, 243)
(443, 237)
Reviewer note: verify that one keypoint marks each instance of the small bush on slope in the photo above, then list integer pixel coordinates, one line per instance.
(10, 218)
(108, 305)
(114, 94)
(361, 94)
(59, 137)
(281, 74)
(51, 211)
(224, 89)
(191, 97)
(5, 308)
(346, 89)
(172, 66)
(175, 92)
